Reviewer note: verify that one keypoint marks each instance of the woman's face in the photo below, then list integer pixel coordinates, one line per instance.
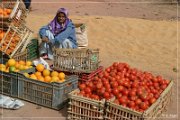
(61, 18)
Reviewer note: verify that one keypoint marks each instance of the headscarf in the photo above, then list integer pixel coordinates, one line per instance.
(54, 26)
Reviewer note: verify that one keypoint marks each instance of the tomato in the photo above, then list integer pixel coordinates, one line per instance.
(106, 95)
(127, 84)
(87, 90)
(114, 84)
(134, 84)
(138, 101)
(119, 95)
(99, 85)
(82, 86)
(133, 98)
(120, 88)
(102, 90)
(115, 64)
(106, 74)
(123, 100)
(96, 97)
(82, 93)
(108, 90)
(132, 93)
(90, 84)
(131, 104)
(152, 100)
(108, 70)
(115, 91)
(163, 87)
(143, 106)
(125, 92)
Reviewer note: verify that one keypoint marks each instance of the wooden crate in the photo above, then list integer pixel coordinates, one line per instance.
(83, 108)
(18, 13)
(76, 60)
(118, 112)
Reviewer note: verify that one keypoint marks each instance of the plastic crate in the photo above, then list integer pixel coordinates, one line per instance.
(76, 60)
(84, 77)
(9, 84)
(9, 81)
(14, 40)
(83, 108)
(51, 95)
(118, 112)
(18, 13)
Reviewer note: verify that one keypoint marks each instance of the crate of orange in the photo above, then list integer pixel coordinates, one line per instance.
(14, 40)
(46, 88)
(8, 75)
(13, 11)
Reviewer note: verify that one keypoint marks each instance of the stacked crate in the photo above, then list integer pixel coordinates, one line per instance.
(12, 12)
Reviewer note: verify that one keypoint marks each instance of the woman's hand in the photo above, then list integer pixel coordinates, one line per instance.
(45, 39)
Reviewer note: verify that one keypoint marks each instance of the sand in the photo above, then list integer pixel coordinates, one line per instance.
(143, 35)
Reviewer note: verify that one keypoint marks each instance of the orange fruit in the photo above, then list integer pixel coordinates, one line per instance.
(54, 73)
(17, 65)
(61, 75)
(33, 76)
(40, 67)
(28, 63)
(41, 78)
(11, 62)
(46, 72)
(54, 79)
(22, 62)
(37, 74)
(62, 80)
(47, 79)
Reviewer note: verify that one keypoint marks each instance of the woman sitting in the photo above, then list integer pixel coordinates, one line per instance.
(59, 33)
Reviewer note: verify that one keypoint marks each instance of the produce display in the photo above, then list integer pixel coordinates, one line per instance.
(15, 66)
(128, 87)
(10, 41)
(5, 12)
(46, 75)
(1, 35)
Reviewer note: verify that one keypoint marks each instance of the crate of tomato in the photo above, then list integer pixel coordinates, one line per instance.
(85, 107)
(137, 95)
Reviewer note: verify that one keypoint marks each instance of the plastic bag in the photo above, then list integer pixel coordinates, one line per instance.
(81, 35)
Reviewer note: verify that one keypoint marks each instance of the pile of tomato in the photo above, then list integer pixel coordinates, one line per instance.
(130, 87)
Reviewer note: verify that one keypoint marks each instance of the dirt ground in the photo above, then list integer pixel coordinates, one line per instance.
(151, 10)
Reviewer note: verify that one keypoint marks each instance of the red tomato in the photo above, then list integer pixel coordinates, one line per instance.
(143, 106)
(115, 91)
(152, 100)
(123, 100)
(99, 85)
(107, 69)
(131, 104)
(82, 86)
(106, 95)
(114, 84)
(120, 88)
(125, 92)
(87, 90)
(138, 101)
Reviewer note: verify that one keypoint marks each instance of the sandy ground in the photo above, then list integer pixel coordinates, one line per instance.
(142, 33)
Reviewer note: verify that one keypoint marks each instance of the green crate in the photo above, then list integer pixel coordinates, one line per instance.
(51, 95)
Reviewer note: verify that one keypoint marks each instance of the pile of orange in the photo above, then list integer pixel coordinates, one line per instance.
(8, 46)
(46, 75)
(15, 66)
(5, 12)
